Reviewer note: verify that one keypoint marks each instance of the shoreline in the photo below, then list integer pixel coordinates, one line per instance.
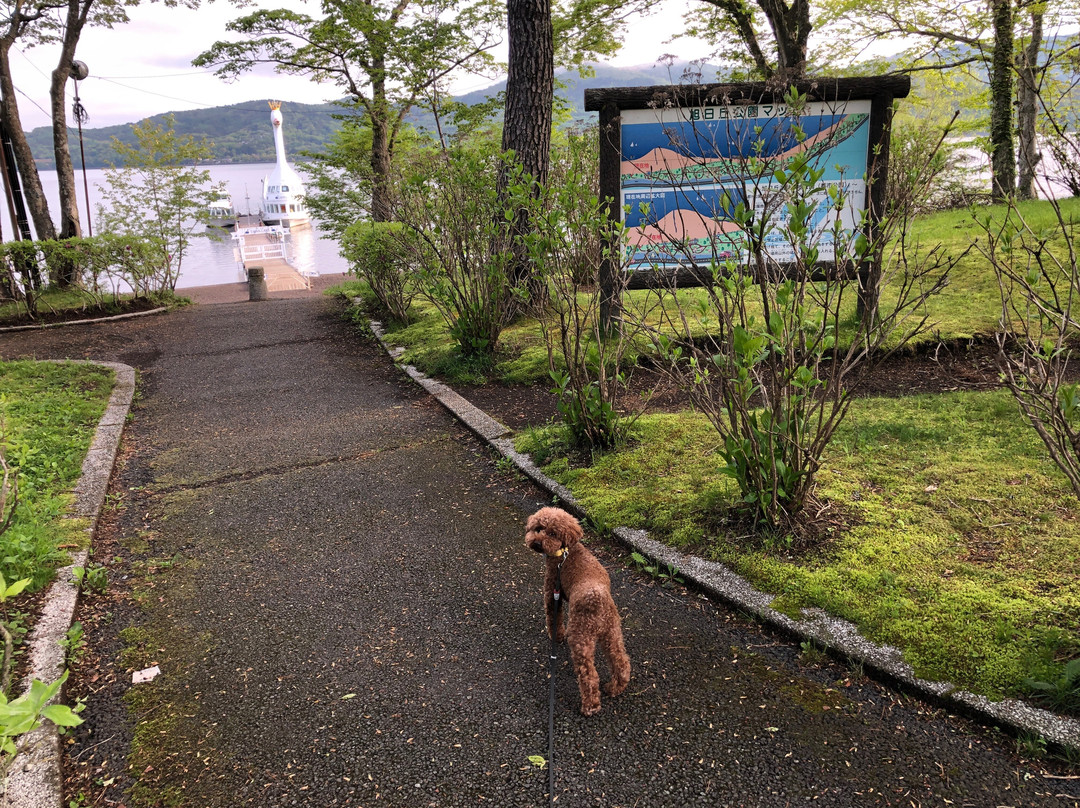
(238, 292)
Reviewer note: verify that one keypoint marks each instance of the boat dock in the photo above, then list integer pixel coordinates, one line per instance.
(266, 247)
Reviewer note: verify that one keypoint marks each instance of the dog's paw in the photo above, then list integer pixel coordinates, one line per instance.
(590, 708)
(615, 687)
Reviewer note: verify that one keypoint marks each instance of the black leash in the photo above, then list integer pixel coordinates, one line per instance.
(552, 657)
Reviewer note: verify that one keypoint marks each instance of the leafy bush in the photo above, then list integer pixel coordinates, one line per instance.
(1038, 276)
(462, 244)
(101, 267)
(385, 254)
(571, 244)
(575, 166)
(109, 264)
(920, 158)
(781, 352)
(20, 263)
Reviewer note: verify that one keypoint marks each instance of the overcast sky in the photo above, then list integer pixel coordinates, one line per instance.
(144, 68)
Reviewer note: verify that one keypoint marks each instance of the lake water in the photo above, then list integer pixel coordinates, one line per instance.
(208, 261)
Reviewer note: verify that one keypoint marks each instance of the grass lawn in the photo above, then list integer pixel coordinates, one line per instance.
(968, 307)
(50, 411)
(962, 538)
(956, 540)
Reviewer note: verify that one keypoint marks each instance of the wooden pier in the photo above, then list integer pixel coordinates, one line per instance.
(265, 247)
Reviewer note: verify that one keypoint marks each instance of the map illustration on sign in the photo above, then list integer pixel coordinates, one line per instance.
(683, 172)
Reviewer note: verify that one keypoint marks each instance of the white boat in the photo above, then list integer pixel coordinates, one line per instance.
(221, 213)
(282, 191)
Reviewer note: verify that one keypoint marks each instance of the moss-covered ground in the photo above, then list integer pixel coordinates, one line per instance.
(953, 535)
(956, 539)
(49, 413)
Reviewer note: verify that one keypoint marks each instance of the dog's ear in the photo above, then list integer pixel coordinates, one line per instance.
(567, 528)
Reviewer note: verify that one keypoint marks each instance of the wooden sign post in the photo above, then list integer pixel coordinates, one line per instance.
(676, 160)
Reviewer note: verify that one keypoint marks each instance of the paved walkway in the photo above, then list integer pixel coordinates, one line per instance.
(330, 573)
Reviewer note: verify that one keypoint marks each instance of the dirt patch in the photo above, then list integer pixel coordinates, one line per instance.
(968, 365)
(89, 312)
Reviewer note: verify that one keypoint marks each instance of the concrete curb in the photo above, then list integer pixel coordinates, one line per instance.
(840, 637)
(40, 326)
(36, 781)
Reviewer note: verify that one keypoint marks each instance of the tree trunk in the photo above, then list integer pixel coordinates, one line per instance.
(65, 169)
(1027, 110)
(530, 85)
(24, 159)
(380, 171)
(1002, 156)
(380, 143)
(791, 28)
(530, 93)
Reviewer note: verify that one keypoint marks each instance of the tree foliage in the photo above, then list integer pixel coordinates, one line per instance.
(159, 192)
(385, 57)
(764, 39)
(1006, 45)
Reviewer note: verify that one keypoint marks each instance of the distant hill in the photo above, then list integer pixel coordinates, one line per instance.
(573, 89)
(241, 132)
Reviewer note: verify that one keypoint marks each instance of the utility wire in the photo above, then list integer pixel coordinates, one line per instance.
(35, 103)
(159, 75)
(151, 92)
(113, 80)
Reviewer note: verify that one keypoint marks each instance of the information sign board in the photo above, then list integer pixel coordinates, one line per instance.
(684, 169)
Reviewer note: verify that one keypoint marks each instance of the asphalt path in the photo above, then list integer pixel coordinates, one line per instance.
(330, 573)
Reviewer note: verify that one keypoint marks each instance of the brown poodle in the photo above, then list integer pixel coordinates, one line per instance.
(592, 614)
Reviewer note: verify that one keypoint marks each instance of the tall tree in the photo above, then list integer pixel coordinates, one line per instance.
(530, 85)
(1027, 105)
(1002, 148)
(66, 32)
(76, 15)
(384, 54)
(530, 94)
(539, 36)
(950, 35)
(18, 22)
(769, 36)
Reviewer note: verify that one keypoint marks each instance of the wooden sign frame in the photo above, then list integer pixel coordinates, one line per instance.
(611, 103)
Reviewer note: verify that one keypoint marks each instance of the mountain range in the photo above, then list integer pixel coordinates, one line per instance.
(241, 133)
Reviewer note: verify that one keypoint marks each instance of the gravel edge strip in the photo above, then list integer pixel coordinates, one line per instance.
(40, 326)
(35, 781)
(840, 637)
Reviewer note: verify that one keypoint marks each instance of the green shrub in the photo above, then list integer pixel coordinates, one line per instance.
(463, 244)
(770, 371)
(385, 254)
(101, 267)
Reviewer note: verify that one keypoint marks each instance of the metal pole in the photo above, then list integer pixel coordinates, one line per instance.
(78, 111)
